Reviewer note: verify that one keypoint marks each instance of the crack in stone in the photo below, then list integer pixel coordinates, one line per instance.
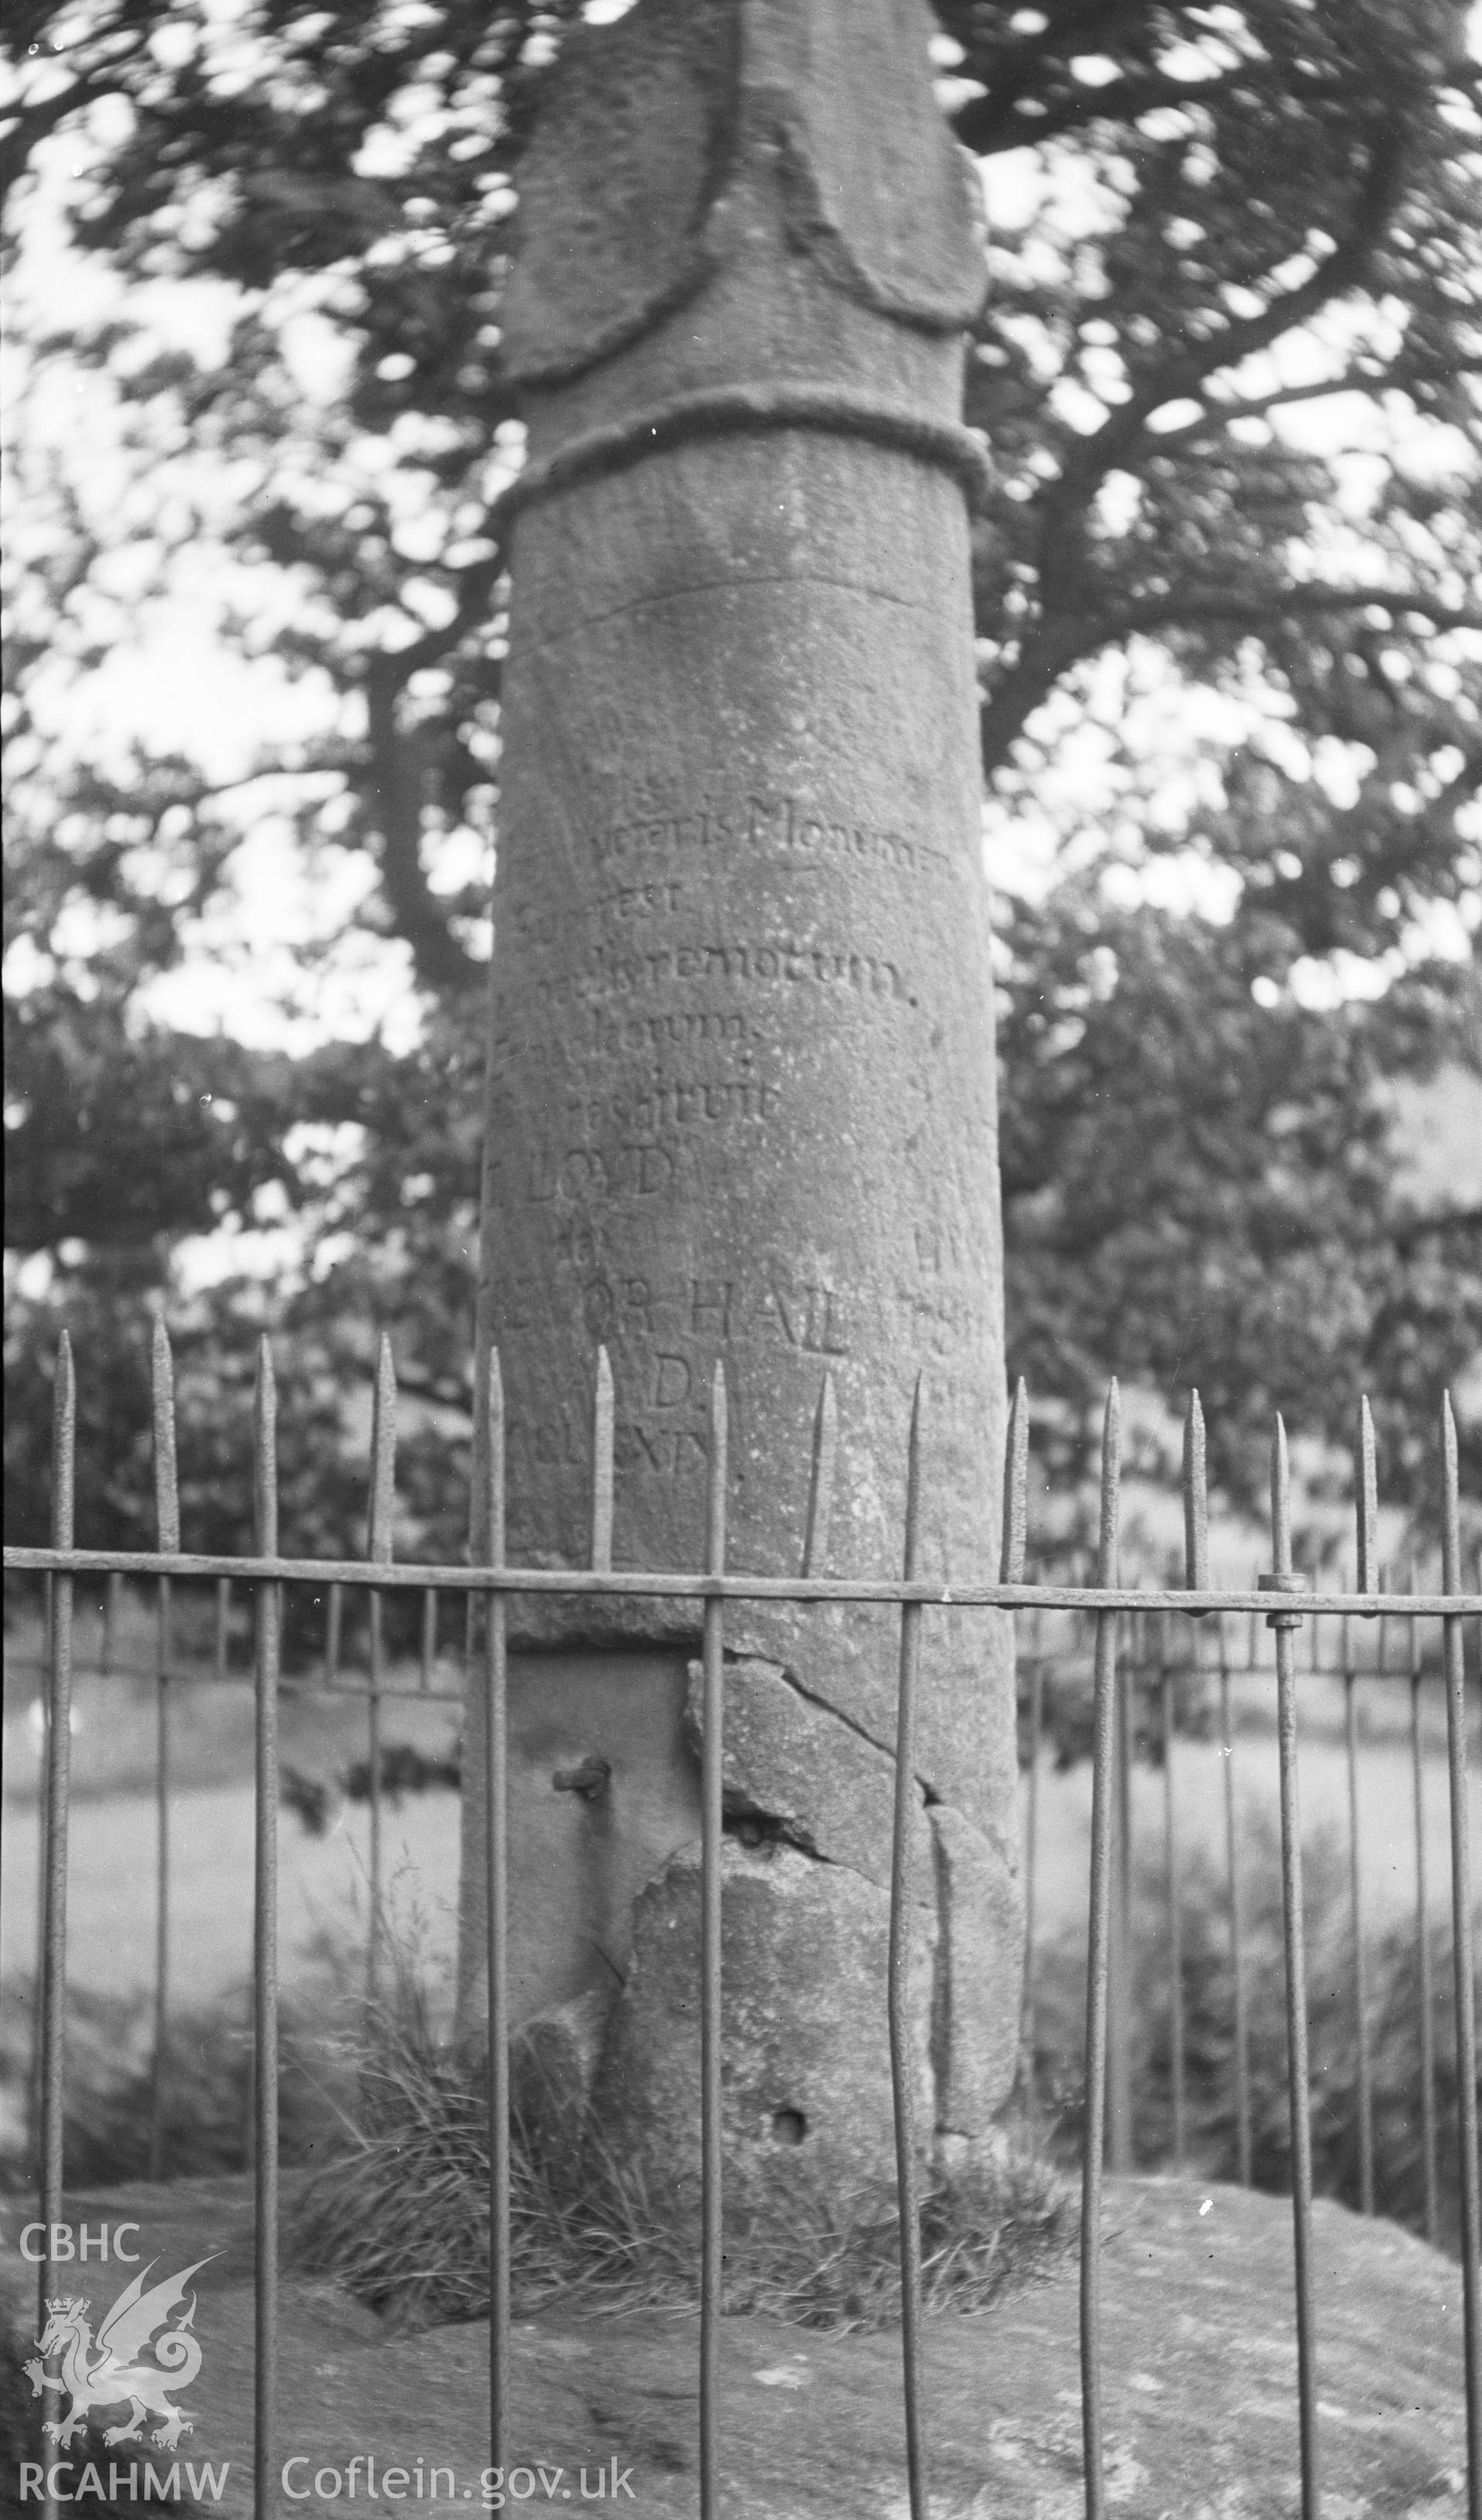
(751, 1825)
(826, 1706)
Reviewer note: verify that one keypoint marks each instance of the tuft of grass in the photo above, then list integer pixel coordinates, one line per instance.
(825, 2257)
(401, 2215)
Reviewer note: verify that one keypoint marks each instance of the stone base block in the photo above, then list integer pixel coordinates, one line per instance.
(979, 1974)
(803, 1770)
(805, 2057)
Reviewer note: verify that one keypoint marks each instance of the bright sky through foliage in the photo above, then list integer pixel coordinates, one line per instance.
(171, 677)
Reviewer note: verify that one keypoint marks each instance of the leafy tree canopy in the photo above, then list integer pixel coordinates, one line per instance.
(1229, 588)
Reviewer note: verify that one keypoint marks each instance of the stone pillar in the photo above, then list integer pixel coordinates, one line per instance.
(743, 1090)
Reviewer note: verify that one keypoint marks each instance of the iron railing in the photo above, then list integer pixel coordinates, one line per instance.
(1220, 1649)
(1280, 1598)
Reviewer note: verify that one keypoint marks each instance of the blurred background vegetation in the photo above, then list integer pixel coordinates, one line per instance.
(1229, 616)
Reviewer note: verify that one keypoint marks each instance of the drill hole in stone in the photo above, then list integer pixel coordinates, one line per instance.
(789, 2126)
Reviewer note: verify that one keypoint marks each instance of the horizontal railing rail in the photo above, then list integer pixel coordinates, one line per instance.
(613, 1583)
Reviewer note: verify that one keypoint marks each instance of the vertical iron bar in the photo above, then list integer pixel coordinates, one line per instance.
(1366, 1520)
(1175, 1937)
(821, 1481)
(1285, 1623)
(1011, 1571)
(58, 1747)
(43, 1846)
(1462, 1963)
(603, 1433)
(223, 1626)
(1119, 1990)
(1031, 1864)
(1365, 2111)
(711, 1801)
(1424, 1972)
(1016, 1489)
(1367, 1504)
(1098, 1965)
(111, 1597)
(1237, 1942)
(167, 1527)
(428, 1652)
(489, 1551)
(1197, 1577)
(1196, 1499)
(898, 1980)
(269, 1607)
(383, 1505)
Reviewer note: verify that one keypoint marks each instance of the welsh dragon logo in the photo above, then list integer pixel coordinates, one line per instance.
(108, 2370)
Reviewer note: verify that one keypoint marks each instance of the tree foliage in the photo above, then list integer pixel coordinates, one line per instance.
(1227, 373)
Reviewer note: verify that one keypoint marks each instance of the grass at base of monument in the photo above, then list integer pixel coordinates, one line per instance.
(402, 2215)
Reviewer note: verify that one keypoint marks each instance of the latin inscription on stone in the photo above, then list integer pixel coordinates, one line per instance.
(781, 825)
(745, 1068)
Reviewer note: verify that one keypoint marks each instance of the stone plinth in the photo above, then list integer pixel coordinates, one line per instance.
(742, 1100)
(1198, 2375)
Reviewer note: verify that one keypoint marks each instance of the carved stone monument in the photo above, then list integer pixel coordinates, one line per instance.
(743, 1090)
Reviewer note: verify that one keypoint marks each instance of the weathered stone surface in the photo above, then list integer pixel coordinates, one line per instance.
(1200, 2379)
(577, 1862)
(789, 1761)
(979, 1974)
(804, 2059)
(725, 83)
(743, 1084)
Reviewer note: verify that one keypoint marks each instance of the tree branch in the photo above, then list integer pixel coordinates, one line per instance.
(1446, 1220)
(442, 1393)
(476, 583)
(395, 800)
(1392, 380)
(1069, 637)
(988, 123)
(1042, 660)
(1112, 445)
(1291, 603)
